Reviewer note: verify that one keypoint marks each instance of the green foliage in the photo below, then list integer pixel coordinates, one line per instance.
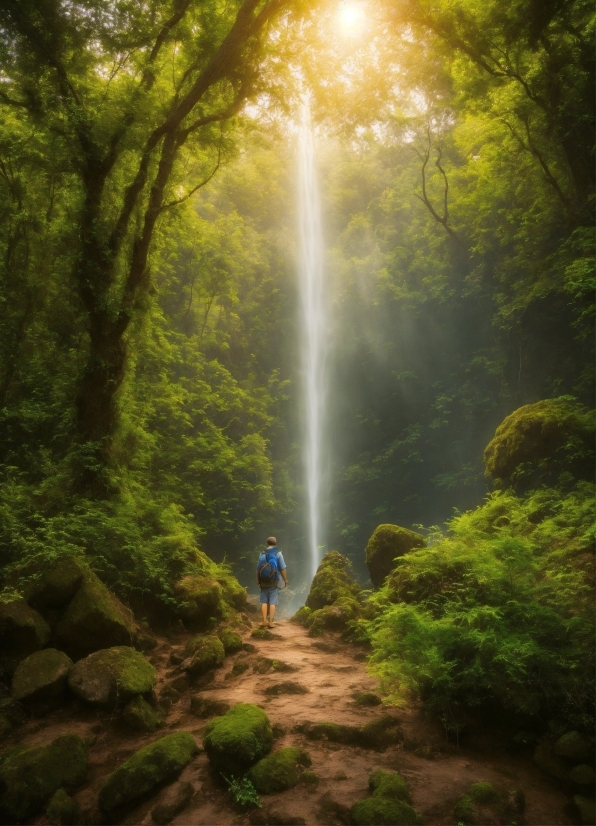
(499, 610)
(242, 791)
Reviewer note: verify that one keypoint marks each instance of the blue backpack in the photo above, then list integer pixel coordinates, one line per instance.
(268, 570)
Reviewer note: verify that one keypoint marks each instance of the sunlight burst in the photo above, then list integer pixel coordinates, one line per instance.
(351, 17)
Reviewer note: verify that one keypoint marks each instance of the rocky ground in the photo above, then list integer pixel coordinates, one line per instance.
(300, 682)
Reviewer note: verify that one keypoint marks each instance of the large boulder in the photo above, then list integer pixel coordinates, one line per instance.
(332, 581)
(94, 619)
(279, 771)
(144, 772)
(538, 442)
(386, 544)
(112, 676)
(22, 631)
(203, 653)
(201, 600)
(140, 716)
(41, 676)
(230, 639)
(64, 811)
(238, 739)
(483, 803)
(57, 585)
(572, 746)
(29, 777)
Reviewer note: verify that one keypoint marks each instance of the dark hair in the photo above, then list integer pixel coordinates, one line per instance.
(271, 540)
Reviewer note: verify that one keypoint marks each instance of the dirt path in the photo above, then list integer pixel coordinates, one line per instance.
(331, 672)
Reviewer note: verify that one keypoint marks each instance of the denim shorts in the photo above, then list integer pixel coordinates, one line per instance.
(269, 595)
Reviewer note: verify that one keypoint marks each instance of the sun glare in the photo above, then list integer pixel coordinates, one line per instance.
(351, 17)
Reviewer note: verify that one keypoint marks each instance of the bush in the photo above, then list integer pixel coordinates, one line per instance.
(499, 611)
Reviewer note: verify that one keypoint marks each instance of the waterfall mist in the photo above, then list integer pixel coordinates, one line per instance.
(314, 330)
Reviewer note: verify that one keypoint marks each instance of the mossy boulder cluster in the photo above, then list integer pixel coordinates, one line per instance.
(237, 740)
(201, 654)
(567, 756)
(483, 803)
(386, 544)
(333, 603)
(388, 805)
(41, 676)
(29, 777)
(149, 768)
(541, 443)
(279, 771)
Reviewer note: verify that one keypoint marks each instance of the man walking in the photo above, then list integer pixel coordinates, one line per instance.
(271, 572)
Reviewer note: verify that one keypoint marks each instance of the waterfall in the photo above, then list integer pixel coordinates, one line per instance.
(314, 329)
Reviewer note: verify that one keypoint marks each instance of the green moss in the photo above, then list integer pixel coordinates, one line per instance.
(205, 652)
(95, 619)
(282, 667)
(332, 580)
(262, 634)
(238, 739)
(302, 615)
(147, 769)
(380, 811)
(280, 770)
(377, 734)
(484, 803)
(538, 442)
(115, 674)
(57, 584)
(333, 617)
(29, 777)
(201, 600)
(64, 811)
(234, 592)
(309, 779)
(387, 543)
(388, 784)
(230, 639)
(239, 668)
(41, 675)
(367, 698)
(140, 716)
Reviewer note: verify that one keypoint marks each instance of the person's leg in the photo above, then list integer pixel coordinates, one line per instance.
(273, 595)
(271, 614)
(264, 608)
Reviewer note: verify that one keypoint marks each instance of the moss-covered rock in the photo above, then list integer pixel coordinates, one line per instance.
(583, 775)
(572, 746)
(140, 716)
(388, 784)
(22, 631)
(262, 633)
(64, 811)
(238, 739)
(114, 675)
(367, 699)
(29, 777)
(382, 811)
(230, 639)
(57, 584)
(302, 615)
(585, 809)
(332, 581)
(538, 442)
(484, 803)
(144, 772)
(94, 619)
(234, 592)
(287, 687)
(41, 676)
(386, 544)
(201, 599)
(203, 653)
(549, 762)
(278, 771)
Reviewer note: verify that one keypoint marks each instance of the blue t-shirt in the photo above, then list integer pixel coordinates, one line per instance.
(280, 563)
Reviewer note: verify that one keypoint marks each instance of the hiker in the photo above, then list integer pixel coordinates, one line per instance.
(271, 570)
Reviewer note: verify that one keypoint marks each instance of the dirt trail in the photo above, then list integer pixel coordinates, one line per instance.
(331, 672)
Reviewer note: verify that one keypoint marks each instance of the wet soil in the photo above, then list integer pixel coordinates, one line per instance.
(330, 674)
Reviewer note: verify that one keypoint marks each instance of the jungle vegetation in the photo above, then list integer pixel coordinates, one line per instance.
(149, 387)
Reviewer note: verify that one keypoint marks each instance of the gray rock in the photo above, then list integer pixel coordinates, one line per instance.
(174, 801)
(572, 746)
(583, 775)
(41, 675)
(112, 676)
(22, 631)
(94, 620)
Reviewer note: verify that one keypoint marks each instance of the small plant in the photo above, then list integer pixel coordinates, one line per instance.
(242, 792)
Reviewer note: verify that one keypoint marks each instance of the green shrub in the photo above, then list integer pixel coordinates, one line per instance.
(500, 610)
